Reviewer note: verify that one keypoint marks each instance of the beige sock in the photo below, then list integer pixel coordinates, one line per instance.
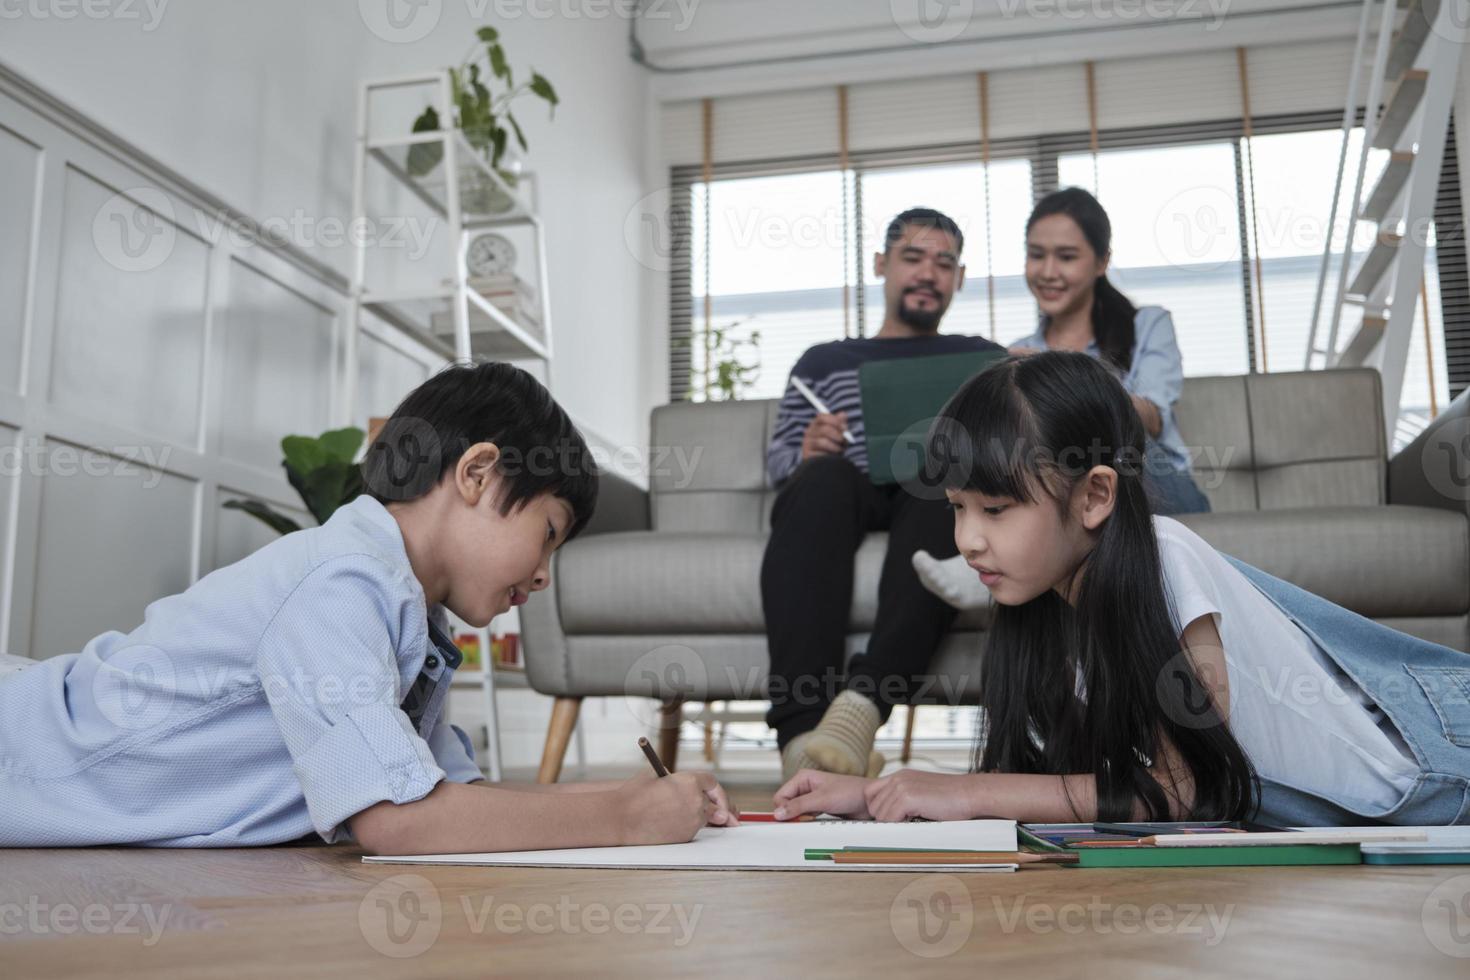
(794, 759)
(842, 742)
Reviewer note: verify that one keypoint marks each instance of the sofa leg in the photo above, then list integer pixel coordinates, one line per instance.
(563, 722)
(908, 735)
(670, 720)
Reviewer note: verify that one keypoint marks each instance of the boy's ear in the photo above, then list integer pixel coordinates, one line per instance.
(1095, 496)
(474, 474)
(880, 265)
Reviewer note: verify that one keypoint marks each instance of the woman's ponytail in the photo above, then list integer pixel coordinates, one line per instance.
(1112, 324)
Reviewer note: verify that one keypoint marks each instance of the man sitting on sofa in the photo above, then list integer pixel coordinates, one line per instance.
(826, 505)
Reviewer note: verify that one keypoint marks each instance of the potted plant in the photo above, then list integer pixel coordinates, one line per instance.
(732, 364)
(484, 117)
(323, 471)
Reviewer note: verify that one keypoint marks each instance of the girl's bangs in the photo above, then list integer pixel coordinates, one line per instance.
(982, 440)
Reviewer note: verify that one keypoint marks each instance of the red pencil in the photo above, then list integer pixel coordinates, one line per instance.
(747, 817)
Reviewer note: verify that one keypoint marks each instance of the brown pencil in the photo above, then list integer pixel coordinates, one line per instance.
(653, 759)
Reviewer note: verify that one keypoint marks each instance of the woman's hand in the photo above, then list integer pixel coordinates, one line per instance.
(909, 793)
(671, 810)
(810, 791)
(1149, 414)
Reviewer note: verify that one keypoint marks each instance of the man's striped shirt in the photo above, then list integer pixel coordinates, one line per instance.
(831, 370)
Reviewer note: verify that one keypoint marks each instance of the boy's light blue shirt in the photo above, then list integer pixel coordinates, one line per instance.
(256, 707)
(1157, 373)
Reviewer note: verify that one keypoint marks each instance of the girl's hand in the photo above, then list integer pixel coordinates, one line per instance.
(909, 793)
(810, 791)
(672, 809)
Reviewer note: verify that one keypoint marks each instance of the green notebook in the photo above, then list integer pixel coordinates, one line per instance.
(900, 396)
(1146, 856)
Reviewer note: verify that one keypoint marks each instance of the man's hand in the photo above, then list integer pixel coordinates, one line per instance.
(672, 809)
(824, 435)
(810, 791)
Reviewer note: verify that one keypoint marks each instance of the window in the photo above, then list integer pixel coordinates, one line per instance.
(782, 249)
(1176, 242)
(789, 256)
(774, 268)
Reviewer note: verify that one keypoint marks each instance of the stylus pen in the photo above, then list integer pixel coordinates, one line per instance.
(819, 405)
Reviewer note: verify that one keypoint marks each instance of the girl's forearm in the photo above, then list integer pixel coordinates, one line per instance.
(1025, 797)
(1053, 799)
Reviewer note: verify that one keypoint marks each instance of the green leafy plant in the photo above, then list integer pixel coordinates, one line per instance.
(732, 364)
(484, 117)
(323, 471)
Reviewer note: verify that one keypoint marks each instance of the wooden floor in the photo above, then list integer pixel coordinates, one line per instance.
(318, 911)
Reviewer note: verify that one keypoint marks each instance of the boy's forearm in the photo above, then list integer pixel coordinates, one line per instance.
(591, 786)
(459, 818)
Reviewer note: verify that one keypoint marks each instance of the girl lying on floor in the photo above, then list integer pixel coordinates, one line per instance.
(1133, 672)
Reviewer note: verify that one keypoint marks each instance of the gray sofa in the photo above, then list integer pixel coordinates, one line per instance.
(660, 597)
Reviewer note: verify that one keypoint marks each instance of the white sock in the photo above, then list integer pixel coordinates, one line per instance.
(951, 579)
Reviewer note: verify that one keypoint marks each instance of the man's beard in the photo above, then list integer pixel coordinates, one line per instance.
(926, 321)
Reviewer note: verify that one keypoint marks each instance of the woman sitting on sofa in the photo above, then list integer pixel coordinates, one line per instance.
(1068, 247)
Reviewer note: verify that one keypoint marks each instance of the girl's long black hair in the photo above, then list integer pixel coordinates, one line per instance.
(1112, 312)
(1101, 686)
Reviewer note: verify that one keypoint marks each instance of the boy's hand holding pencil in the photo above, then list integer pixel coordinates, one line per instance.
(670, 808)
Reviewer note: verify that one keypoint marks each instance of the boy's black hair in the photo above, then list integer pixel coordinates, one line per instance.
(541, 451)
(926, 218)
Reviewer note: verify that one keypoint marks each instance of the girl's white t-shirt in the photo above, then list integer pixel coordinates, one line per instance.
(1298, 717)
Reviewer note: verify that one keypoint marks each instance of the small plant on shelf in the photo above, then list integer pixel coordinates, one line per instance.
(484, 117)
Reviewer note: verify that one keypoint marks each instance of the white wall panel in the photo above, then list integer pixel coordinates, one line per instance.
(385, 374)
(11, 466)
(130, 312)
(113, 537)
(18, 161)
(277, 349)
(237, 534)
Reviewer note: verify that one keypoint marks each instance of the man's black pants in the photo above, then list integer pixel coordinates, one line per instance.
(821, 515)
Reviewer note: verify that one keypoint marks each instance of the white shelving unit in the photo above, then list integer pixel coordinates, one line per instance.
(448, 315)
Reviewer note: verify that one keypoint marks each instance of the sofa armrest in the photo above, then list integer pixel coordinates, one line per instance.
(1434, 469)
(621, 506)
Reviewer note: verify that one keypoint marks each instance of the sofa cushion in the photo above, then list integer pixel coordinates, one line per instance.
(1377, 561)
(683, 582)
(731, 667)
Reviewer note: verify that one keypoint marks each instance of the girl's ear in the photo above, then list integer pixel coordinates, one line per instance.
(1095, 497)
(1104, 262)
(474, 474)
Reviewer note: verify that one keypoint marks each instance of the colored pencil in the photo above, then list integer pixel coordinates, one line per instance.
(952, 857)
(653, 759)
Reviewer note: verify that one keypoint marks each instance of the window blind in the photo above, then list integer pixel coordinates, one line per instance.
(1157, 91)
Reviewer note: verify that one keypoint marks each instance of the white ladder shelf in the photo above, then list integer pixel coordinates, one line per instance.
(449, 316)
(1420, 58)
